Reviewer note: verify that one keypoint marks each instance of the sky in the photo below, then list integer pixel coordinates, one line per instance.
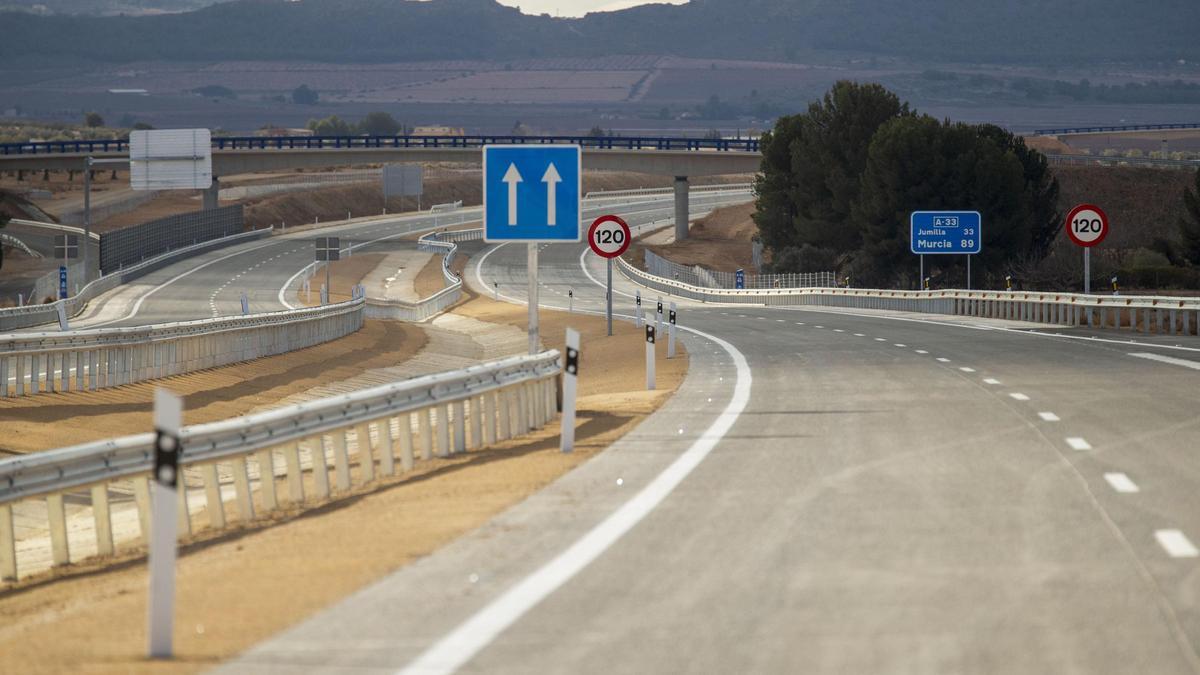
(577, 7)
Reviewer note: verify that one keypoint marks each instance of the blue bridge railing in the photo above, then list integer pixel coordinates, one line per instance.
(1127, 127)
(327, 142)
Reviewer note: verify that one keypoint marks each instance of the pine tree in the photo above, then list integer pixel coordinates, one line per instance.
(1189, 224)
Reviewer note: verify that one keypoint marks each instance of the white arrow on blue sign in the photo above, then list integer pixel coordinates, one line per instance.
(531, 193)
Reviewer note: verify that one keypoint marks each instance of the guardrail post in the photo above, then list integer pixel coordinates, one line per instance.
(212, 496)
(8, 545)
(366, 459)
(341, 459)
(185, 513)
(503, 414)
(59, 548)
(387, 455)
(266, 479)
(241, 486)
(295, 475)
(320, 466)
(102, 517)
(35, 374)
(4, 376)
(425, 427)
(141, 496)
(443, 431)
(20, 385)
(476, 423)
(404, 426)
(460, 427)
(522, 426)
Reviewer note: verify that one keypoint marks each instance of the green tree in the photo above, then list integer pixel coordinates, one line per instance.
(811, 167)
(1189, 224)
(380, 124)
(93, 120)
(596, 132)
(1041, 188)
(330, 126)
(305, 96)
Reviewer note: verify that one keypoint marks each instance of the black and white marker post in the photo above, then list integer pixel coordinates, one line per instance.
(164, 514)
(671, 334)
(639, 308)
(658, 316)
(649, 357)
(570, 381)
(570, 300)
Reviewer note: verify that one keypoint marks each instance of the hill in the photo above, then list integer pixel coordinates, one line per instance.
(1061, 32)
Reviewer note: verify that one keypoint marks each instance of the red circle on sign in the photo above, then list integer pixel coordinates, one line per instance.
(1094, 224)
(612, 244)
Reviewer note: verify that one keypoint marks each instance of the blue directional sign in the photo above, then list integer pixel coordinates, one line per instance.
(934, 232)
(531, 193)
(62, 283)
(739, 278)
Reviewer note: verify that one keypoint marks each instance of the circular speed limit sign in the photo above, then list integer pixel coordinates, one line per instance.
(608, 236)
(1087, 225)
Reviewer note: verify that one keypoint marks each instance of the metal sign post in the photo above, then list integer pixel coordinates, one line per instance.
(328, 249)
(608, 238)
(570, 384)
(168, 418)
(532, 273)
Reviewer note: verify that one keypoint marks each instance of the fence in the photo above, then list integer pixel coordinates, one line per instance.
(652, 192)
(101, 212)
(302, 181)
(134, 244)
(1160, 315)
(1093, 160)
(274, 450)
(696, 275)
(86, 360)
(13, 318)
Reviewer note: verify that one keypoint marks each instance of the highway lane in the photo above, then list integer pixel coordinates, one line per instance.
(896, 496)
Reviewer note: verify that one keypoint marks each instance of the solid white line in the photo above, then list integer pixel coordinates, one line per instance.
(1078, 443)
(1194, 365)
(1048, 417)
(990, 380)
(465, 641)
(1121, 483)
(1176, 544)
(1019, 396)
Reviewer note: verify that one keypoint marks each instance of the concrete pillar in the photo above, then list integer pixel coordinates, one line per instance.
(681, 208)
(211, 195)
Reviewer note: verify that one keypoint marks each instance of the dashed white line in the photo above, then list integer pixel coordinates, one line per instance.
(1078, 443)
(859, 335)
(1019, 396)
(818, 326)
(920, 351)
(943, 360)
(880, 340)
(1048, 417)
(966, 369)
(799, 323)
(1176, 544)
(1120, 482)
(991, 380)
(838, 330)
(900, 345)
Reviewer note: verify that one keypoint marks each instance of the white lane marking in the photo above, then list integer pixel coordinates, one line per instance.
(1048, 417)
(838, 330)
(859, 335)
(943, 360)
(1121, 483)
(1019, 396)
(818, 326)
(464, 642)
(920, 351)
(1176, 544)
(991, 380)
(966, 369)
(798, 323)
(1194, 365)
(779, 320)
(880, 340)
(1078, 443)
(900, 345)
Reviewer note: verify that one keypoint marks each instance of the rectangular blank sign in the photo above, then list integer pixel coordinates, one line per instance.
(170, 159)
(403, 180)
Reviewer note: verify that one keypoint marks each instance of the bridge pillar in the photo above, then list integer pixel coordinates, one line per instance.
(212, 194)
(681, 208)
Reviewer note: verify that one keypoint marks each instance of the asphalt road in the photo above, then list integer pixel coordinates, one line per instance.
(828, 492)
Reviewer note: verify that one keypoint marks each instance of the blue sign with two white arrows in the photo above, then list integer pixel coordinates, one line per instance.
(531, 193)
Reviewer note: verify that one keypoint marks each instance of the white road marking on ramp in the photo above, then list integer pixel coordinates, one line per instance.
(943, 360)
(1019, 396)
(1194, 365)
(1078, 443)
(1048, 417)
(1121, 483)
(469, 638)
(966, 369)
(920, 351)
(990, 380)
(1176, 544)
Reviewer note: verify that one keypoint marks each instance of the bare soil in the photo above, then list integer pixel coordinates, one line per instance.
(719, 241)
(245, 584)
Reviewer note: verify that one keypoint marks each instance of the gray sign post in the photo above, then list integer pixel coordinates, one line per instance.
(328, 250)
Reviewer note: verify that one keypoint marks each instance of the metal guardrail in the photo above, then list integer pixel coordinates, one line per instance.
(498, 400)
(91, 359)
(700, 276)
(1098, 160)
(327, 142)
(68, 229)
(12, 318)
(650, 192)
(1125, 127)
(426, 308)
(1151, 314)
